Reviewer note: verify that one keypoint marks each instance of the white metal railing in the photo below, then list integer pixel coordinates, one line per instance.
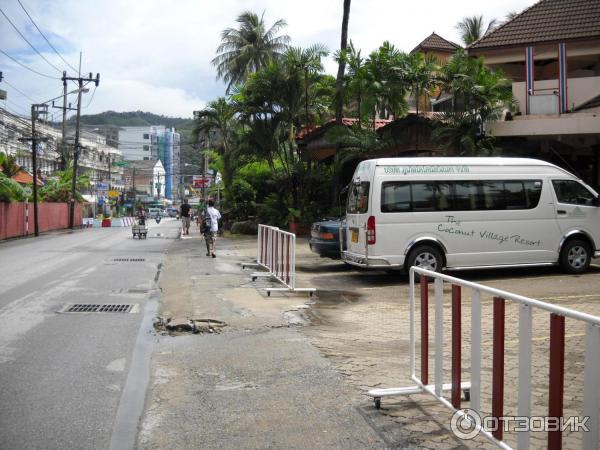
(591, 407)
(276, 252)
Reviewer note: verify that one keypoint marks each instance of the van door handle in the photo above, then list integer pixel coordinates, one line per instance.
(561, 211)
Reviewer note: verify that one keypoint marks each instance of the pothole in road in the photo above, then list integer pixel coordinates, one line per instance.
(175, 327)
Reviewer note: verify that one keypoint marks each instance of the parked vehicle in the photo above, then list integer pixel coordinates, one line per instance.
(325, 237)
(154, 212)
(466, 213)
(172, 212)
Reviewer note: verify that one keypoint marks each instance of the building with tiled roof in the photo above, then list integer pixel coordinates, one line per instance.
(434, 43)
(548, 21)
(551, 52)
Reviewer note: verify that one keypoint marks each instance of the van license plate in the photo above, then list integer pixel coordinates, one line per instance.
(355, 236)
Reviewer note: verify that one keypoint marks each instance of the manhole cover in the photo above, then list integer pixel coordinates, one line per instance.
(86, 308)
(129, 259)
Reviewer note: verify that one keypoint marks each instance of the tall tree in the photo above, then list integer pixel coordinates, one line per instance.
(339, 82)
(248, 48)
(419, 73)
(472, 28)
(219, 119)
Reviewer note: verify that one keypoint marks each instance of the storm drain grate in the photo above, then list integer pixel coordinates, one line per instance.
(129, 259)
(77, 308)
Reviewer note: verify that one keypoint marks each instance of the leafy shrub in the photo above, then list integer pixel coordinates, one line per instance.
(10, 190)
(245, 227)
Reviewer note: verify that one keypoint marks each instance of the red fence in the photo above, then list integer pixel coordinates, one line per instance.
(16, 219)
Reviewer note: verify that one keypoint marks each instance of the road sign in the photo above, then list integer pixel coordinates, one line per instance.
(198, 181)
(102, 186)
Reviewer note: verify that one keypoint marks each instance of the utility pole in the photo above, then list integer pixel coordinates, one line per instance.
(80, 81)
(35, 111)
(65, 108)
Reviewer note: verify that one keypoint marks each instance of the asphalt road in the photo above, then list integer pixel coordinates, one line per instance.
(76, 380)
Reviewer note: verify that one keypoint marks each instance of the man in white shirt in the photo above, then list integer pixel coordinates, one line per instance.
(214, 215)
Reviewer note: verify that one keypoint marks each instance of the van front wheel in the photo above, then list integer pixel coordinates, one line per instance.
(425, 257)
(575, 256)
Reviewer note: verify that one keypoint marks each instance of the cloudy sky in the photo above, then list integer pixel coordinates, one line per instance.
(154, 55)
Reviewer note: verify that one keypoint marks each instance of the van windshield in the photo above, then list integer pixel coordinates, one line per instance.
(358, 198)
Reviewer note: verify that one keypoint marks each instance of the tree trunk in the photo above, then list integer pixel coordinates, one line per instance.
(339, 82)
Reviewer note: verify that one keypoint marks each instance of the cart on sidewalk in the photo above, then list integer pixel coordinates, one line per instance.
(140, 228)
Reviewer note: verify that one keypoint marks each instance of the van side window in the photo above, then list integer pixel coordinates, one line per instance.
(569, 191)
(395, 197)
(467, 195)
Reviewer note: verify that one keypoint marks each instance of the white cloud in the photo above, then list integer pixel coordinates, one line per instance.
(155, 55)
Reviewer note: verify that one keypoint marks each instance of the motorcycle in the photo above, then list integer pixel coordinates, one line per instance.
(158, 219)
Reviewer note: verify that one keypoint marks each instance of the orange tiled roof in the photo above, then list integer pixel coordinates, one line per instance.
(24, 177)
(546, 21)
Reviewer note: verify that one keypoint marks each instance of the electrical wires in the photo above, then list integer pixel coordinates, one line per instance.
(28, 68)
(20, 92)
(25, 39)
(45, 38)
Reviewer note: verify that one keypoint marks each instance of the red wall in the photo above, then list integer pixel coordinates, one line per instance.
(51, 216)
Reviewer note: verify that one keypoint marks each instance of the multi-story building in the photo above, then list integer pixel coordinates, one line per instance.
(146, 179)
(551, 51)
(96, 157)
(136, 143)
(152, 143)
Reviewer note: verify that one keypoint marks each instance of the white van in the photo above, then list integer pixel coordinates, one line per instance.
(469, 213)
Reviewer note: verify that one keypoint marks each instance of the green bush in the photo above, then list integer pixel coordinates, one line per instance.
(10, 190)
(245, 227)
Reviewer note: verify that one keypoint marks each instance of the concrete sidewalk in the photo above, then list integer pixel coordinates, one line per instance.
(257, 384)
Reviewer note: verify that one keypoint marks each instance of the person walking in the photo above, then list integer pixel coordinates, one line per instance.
(211, 236)
(184, 211)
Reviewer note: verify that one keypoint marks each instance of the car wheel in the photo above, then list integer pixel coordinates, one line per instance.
(575, 256)
(425, 257)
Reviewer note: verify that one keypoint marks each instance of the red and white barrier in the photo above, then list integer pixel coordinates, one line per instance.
(276, 252)
(557, 314)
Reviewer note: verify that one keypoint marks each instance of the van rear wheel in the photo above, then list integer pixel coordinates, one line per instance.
(425, 257)
(575, 256)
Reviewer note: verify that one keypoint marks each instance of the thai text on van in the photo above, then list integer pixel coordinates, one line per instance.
(410, 170)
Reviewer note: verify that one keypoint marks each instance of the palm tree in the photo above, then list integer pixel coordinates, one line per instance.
(419, 73)
(8, 165)
(308, 62)
(218, 119)
(472, 28)
(357, 82)
(479, 94)
(339, 82)
(248, 48)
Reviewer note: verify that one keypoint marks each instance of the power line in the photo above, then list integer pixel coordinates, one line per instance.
(20, 92)
(25, 39)
(28, 68)
(91, 98)
(45, 38)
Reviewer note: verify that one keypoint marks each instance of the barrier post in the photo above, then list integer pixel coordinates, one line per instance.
(424, 330)
(276, 252)
(556, 377)
(456, 343)
(498, 366)
(558, 316)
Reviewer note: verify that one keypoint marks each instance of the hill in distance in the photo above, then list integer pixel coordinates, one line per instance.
(131, 119)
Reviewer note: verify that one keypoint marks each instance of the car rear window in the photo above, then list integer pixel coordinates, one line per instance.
(358, 198)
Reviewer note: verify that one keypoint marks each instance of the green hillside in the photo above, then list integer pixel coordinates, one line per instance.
(131, 119)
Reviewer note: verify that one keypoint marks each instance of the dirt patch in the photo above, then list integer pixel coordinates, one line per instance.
(176, 327)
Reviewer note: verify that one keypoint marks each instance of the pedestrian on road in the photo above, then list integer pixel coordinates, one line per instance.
(184, 210)
(211, 236)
